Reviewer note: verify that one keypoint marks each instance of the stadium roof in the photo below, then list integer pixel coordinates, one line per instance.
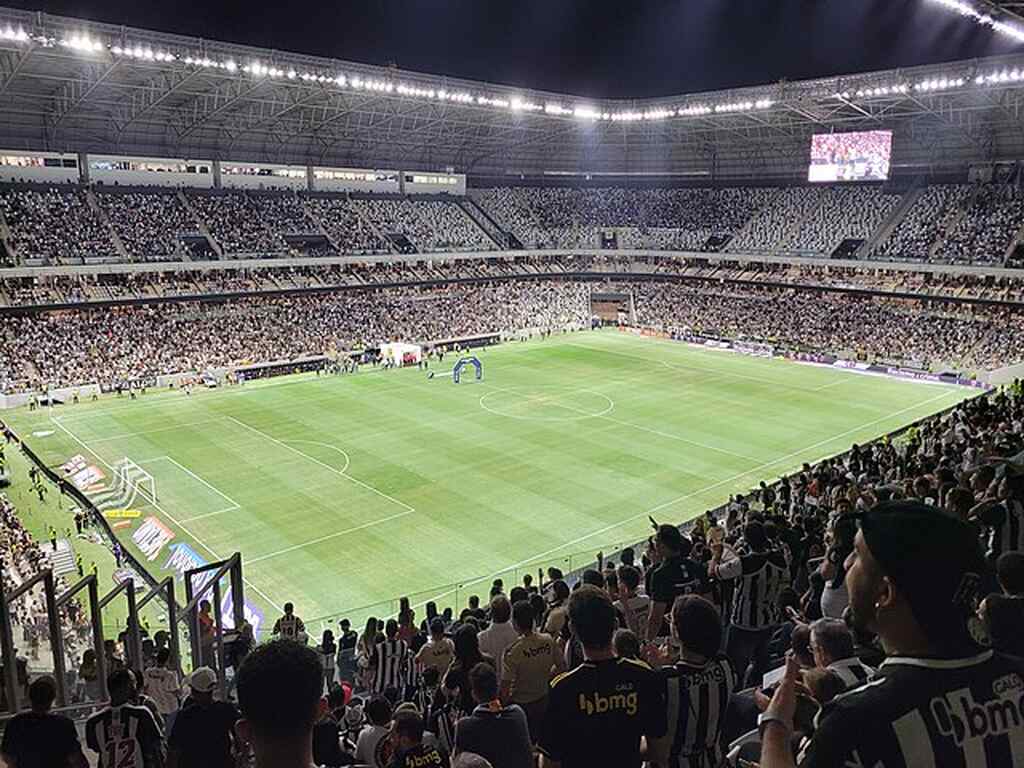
(71, 85)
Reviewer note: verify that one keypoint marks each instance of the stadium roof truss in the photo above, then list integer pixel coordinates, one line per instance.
(75, 86)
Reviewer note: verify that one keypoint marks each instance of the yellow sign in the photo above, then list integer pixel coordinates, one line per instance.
(114, 514)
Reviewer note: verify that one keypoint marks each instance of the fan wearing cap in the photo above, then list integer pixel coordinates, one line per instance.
(937, 699)
(203, 733)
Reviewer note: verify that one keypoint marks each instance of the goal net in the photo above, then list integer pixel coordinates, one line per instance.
(133, 479)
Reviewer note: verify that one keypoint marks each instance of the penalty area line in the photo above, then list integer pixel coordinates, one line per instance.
(170, 517)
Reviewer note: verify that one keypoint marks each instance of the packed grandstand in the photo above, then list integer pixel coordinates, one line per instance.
(866, 608)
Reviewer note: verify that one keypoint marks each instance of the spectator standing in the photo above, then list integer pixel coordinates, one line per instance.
(697, 688)
(438, 651)
(675, 575)
(937, 697)
(530, 663)
(761, 574)
(456, 679)
(162, 685)
(289, 626)
(279, 687)
(599, 711)
(500, 634)
(390, 659)
(347, 651)
(124, 733)
(327, 650)
(39, 738)
(203, 735)
(496, 732)
(207, 632)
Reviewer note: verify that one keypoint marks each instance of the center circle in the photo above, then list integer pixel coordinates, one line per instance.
(547, 403)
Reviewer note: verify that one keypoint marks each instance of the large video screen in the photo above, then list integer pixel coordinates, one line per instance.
(860, 156)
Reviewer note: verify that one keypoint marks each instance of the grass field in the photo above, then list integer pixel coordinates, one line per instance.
(343, 493)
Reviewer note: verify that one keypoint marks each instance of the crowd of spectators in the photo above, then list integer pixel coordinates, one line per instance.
(55, 227)
(344, 226)
(917, 232)
(844, 212)
(869, 328)
(149, 225)
(133, 343)
(779, 220)
(24, 557)
(235, 223)
(988, 226)
(960, 224)
(905, 321)
(431, 225)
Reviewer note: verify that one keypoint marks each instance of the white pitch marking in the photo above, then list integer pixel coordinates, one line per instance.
(348, 461)
(193, 475)
(126, 435)
(684, 497)
(338, 472)
(168, 515)
(328, 537)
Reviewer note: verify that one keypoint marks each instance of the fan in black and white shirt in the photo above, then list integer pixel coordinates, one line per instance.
(833, 648)
(124, 735)
(390, 661)
(760, 576)
(937, 700)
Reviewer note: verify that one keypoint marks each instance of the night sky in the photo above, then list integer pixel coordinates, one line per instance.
(609, 48)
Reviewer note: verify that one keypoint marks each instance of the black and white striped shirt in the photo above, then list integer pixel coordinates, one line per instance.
(926, 713)
(125, 736)
(697, 699)
(851, 671)
(390, 662)
(760, 577)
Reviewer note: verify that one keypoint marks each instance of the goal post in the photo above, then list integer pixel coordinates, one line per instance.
(134, 478)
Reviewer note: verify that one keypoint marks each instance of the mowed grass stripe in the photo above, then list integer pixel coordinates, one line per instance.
(488, 490)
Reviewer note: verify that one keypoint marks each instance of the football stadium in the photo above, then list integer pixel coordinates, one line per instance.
(492, 409)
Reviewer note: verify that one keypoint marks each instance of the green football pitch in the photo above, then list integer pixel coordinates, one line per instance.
(344, 492)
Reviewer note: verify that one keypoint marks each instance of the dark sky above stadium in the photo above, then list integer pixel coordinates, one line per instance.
(609, 48)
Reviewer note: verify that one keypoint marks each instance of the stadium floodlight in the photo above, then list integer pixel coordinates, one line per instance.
(972, 11)
(18, 35)
(82, 43)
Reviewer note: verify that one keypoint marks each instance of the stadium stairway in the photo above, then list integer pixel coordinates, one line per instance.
(201, 225)
(94, 205)
(951, 218)
(63, 560)
(481, 218)
(1017, 240)
(5, 238)
(883, 232)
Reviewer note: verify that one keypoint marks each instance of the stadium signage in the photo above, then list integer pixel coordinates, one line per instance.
(151, 537)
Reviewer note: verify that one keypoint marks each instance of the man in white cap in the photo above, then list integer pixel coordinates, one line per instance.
(203, 735)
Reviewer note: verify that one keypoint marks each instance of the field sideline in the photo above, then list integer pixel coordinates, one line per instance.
(343, 493)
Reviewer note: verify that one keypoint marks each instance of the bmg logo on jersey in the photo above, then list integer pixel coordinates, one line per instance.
(596, 704)
(958, 715)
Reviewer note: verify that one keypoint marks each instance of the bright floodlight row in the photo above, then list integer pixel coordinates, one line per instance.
(983, 18)
(83, 43)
